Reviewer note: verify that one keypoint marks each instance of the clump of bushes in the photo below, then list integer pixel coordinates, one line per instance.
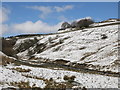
(20, 84)
(51, 84)
(69, 79)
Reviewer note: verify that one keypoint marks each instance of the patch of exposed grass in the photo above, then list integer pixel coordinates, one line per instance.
(20, 84)
(21, 70)
(35, 77)
(6, 60)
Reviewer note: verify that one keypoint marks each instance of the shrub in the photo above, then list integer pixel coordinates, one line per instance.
(66, 77)
(51, 79)
(72, 78)
(84, 88)
(103, 36)
(69, 79)
(20, 85)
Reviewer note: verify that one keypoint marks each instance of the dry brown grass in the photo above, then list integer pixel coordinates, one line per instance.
(20, 84)
(35, 77)
(21, 70)
(6, 60)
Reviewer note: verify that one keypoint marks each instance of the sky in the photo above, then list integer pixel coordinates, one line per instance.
(46, 17)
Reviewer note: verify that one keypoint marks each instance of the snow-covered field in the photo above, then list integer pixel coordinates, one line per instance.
(8, 76)
(87, 80)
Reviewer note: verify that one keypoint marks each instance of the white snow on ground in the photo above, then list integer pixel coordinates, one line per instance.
(8, 76)
(87, 80)
(104, 51)
(105, 23)
(83, 46)
(89, 39)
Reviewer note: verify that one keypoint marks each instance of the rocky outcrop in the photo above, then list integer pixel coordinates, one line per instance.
(65, 25)
(74, 24)
(85, 22)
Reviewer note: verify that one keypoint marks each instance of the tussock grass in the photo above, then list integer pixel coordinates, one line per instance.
(21, 70)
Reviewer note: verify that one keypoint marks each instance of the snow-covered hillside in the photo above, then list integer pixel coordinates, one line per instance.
(39, 58)
(88, 80)
(10, 78)
(82, 46)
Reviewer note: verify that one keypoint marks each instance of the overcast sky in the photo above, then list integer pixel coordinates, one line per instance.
(45, 17)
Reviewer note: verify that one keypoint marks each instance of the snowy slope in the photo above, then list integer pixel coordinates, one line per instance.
(11, 76)
(82, 46)
(87, 80)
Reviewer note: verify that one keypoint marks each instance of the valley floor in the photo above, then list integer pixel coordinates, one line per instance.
(19, 76)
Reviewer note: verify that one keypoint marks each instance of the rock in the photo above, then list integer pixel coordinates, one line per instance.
(84, 23)
(65, 25)
(74, 24)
